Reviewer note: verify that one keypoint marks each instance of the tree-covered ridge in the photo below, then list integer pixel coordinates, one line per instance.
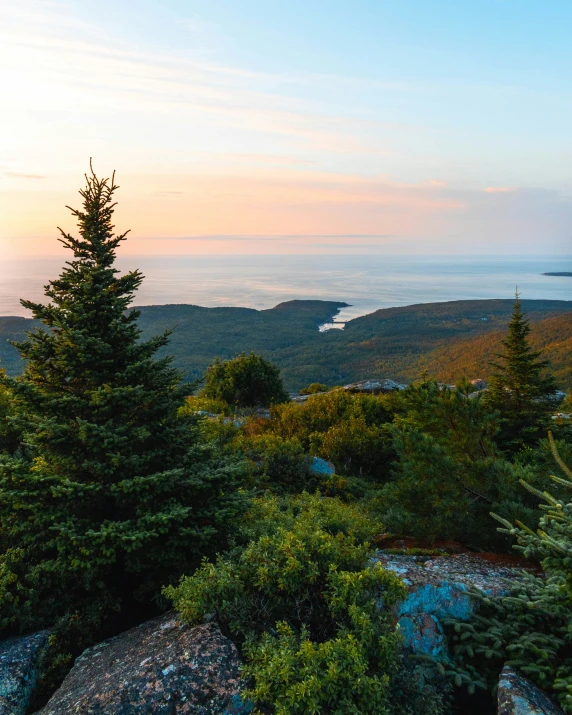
(472, 356)
(400, 343)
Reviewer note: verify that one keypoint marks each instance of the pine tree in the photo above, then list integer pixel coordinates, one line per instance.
(520, 390)
(113, 496)
(449, 472)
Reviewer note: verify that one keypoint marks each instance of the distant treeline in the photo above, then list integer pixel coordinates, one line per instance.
(447, 340)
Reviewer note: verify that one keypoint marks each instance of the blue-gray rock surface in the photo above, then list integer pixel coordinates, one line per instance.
(439, 587)
(20, 660)
(375, 386)
(321, 466)
(519, 696)
(160, 667)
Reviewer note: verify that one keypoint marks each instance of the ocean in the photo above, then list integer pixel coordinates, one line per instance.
(367, 283)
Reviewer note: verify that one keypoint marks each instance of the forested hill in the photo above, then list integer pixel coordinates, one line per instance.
(471, 356)
(448, 339)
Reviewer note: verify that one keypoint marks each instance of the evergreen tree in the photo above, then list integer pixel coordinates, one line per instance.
(113, 496)
(9, 436)
(450, 473)
(520, 390)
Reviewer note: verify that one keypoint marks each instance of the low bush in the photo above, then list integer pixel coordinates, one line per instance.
(314, 388)
(348, 430)
(278, 464)
(305, 607)
(197, 404)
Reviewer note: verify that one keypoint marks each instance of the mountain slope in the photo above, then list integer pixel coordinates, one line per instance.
(445, 338)
(454, 359)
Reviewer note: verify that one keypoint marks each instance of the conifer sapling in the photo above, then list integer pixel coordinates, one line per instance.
(520, 390)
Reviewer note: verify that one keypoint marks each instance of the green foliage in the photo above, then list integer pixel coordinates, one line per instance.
(197, 404)
(418, 689)
(244, 381)
(347, 674)
(450, 473)
(348, 430)
(114, 496)
(277, 464)
(282, 572)
(305, 607)
(519, 390)
(566, 405)
(331, 515)
(314, 388)
(529, 627)
(10, 437)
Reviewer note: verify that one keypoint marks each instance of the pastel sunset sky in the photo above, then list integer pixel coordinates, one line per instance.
(287, 126)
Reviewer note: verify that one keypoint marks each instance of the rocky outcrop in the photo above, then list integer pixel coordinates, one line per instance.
(294, 397)
(375, 386)
(518, 696)
(438, 587)
(20, 660)
(160, 667)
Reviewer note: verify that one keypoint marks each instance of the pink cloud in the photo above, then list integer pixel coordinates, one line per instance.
(501, 189)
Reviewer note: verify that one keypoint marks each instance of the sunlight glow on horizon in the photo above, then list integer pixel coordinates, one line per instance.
(223, 145)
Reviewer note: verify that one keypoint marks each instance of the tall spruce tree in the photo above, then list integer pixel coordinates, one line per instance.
(112, 496)
(520, 390)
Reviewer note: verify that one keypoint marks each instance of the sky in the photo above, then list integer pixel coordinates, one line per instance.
(323, 126)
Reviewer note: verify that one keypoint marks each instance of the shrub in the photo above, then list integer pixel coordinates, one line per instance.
(305, 608)
(314, 388)
(244, 381)
(566, 405)
(269, 512)
(279, 464)
(195, 404)
(348, 430)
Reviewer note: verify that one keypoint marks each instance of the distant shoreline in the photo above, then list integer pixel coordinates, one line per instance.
(559, 273)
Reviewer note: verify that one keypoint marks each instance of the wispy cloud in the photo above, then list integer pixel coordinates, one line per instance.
(167, 193)
(18, 175)
(205, 146)
(54, 70)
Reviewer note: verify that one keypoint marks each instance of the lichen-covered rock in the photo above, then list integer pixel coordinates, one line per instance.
(438, 587)
(518, 696)
(375, 386)
(156, 668)
(20, 660)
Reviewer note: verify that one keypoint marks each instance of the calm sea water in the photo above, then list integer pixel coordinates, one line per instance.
(366, 282)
